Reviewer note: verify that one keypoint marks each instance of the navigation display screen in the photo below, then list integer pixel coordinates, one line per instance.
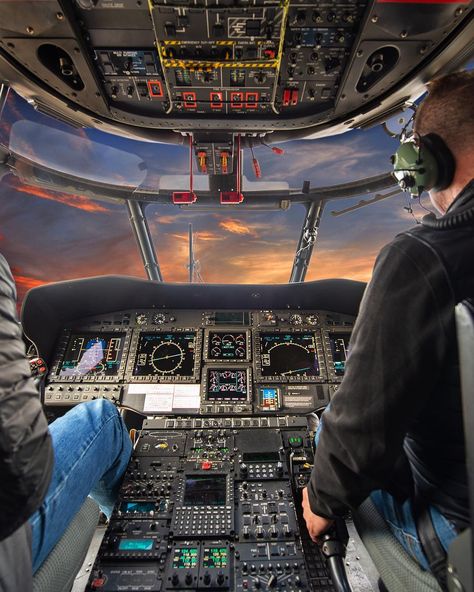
(227, 384)
(89, 354)
(165, 354)
(201, 490)
(227, 346)
(286, 355)
(340, 351)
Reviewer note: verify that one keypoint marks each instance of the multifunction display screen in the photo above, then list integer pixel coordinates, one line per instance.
(137, 507)
(165, 354)
(185, 558)
(201, 490)
(286, 355)
(91, 355)
(136, 545)
(227, 384)
(215, 558)
(340, 351)
(227, 346)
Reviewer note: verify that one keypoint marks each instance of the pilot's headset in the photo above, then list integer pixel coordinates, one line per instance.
(423, 163)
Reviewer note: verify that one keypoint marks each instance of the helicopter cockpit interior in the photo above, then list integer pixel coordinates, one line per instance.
(222, 384)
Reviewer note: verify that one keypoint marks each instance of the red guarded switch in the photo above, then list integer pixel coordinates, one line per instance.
(231, 197)
(184, 197)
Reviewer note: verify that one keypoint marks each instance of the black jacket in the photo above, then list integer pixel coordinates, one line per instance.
(26, 454)
(396, 421)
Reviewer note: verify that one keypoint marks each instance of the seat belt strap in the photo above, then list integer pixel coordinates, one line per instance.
(431, 545)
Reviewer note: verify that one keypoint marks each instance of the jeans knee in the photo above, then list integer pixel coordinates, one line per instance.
(102, 408)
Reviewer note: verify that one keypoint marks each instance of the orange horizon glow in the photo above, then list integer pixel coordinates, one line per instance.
(74, 201)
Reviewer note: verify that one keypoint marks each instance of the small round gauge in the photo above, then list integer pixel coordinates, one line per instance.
(167, 357)
(215, 352)
(240, 352)
(240, 340)
(228, 339)
(159, 318)
(312, 319)
(141, 318)
(296, 319)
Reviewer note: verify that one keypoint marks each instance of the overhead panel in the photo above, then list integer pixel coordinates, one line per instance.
(240, 66)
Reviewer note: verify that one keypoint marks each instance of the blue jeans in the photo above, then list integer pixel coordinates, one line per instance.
(91, 452)
(399, 518)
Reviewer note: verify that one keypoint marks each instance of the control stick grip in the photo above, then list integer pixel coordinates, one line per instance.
(334, 550)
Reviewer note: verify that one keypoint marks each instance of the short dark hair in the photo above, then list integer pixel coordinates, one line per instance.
(448, 111)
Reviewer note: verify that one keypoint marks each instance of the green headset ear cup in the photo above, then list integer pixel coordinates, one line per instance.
(423, 163)
(446, 165)
(415, 168)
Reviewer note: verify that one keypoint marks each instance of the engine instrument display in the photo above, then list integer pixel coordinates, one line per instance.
(227, 384)
(165, 354)
(91, 355)
(227, 346)
(340, 351)
(201, 490)
(288, 355)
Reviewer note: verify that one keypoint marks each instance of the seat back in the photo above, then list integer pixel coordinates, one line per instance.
(59, 569)
(397, 569)
(461, 551)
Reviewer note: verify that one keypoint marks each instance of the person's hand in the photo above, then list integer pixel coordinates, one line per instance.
(316, 525)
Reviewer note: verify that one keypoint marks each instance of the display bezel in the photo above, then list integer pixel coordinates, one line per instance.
(333, 377)
(220, 367)
(61, 347)
(218, 329)
(181, 487)
(156, 378)
(260, 378)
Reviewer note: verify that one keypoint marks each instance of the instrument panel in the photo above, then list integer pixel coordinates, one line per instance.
(213, 507)
(209, 362)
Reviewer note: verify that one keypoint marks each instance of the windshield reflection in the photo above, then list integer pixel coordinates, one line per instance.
(75, 154)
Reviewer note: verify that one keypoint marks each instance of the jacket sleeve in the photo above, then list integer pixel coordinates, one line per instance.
(26, 453)
(397, 348)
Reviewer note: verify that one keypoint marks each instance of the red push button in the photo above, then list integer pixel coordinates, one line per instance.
(206, 465)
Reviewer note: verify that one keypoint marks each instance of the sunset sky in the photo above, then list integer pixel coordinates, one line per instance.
(47, 236)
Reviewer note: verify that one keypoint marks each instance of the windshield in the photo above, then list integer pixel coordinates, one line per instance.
(48, 235)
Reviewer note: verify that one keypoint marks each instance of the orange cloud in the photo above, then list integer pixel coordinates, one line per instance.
(74, 201)
(207, 236)
(25, 283)
(235, 226)
(167, 219)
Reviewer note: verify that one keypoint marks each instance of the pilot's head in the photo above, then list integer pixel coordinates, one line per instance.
(448, 112)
